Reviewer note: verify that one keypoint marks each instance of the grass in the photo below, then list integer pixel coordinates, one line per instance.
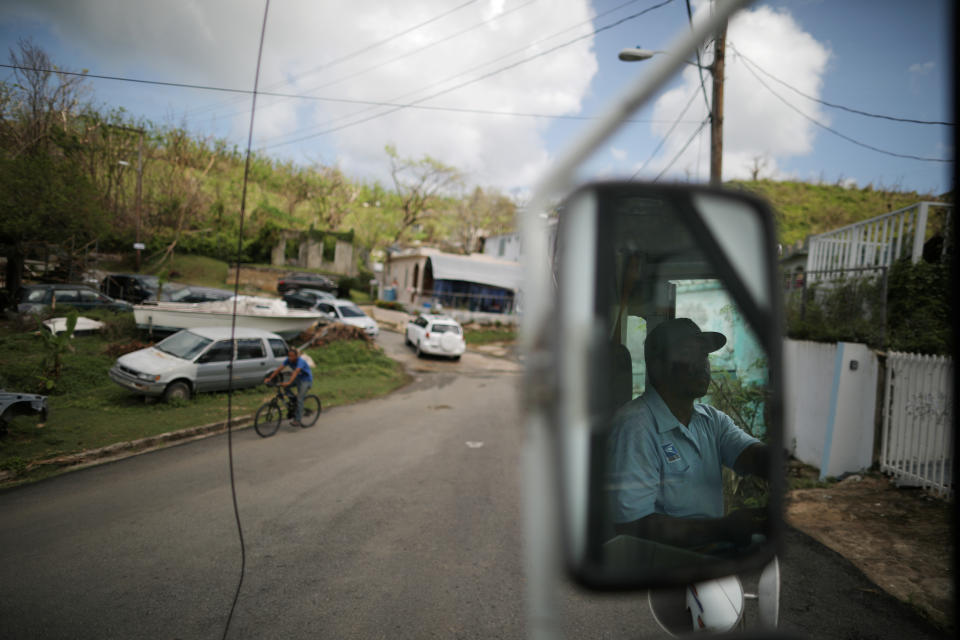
(89, 411)
(486, 335)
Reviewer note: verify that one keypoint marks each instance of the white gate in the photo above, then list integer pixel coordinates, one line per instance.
(917, 445)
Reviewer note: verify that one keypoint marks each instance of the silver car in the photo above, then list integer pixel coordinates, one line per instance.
(195, 360)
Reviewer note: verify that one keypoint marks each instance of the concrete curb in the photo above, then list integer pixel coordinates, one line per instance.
(121, 450)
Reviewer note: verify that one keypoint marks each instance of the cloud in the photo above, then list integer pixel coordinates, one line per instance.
(756, 123)
(922, 69)
(618, 154)
(347, 50)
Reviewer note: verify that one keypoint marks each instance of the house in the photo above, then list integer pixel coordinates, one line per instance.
(478, 282)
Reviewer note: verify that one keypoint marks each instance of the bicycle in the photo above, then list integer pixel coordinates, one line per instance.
(268, 417)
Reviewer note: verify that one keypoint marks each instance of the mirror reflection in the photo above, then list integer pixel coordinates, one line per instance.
(679, 401)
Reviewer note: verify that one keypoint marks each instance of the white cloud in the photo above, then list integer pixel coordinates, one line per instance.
(618, 154)
(922, 69)
(328, 49)
(756, 123)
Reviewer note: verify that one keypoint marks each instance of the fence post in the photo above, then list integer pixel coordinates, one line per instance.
(883, 307)
(919, 232)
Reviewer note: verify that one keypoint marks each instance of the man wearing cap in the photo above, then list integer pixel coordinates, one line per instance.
(667, 451)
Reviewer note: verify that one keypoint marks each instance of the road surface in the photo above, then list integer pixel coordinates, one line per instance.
(394, 518)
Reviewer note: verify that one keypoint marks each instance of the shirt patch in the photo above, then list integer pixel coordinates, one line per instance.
(671, 452)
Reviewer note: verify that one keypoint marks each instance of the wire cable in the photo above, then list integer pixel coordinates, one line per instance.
(348, 56)
(693, 97)
(684, 148)
(492, 112)
(233, 327)
(463, 72)
(812, 120)
(706, 100)
(473, 81)
(834, 105)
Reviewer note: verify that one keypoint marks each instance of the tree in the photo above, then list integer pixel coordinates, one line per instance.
(483, 213)
(419, 184)
(45, 194)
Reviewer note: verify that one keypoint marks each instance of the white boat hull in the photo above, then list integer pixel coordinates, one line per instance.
(268, 316)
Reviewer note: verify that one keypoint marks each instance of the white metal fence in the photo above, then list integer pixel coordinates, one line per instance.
(917, 437)
(876, 242)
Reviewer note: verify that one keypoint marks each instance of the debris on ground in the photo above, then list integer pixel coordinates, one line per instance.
(323, 335)
(117, 349)
(898, 537)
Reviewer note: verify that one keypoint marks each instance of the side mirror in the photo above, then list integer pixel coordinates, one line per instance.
(668, 347)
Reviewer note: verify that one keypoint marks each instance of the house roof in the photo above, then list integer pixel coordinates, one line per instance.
(476, 268)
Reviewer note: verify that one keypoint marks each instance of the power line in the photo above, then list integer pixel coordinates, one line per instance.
(693, 97)
(368, 48)
(475, 80)
(705, 122)
(837, 106)
(180, 85)
(834, 131)
(482, 65)
(706, 100)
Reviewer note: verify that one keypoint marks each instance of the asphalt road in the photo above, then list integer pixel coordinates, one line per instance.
(395, 518)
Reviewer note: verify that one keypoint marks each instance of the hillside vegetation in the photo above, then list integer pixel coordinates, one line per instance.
(804, 208)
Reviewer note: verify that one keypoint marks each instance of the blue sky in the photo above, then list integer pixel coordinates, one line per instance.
(511, 81)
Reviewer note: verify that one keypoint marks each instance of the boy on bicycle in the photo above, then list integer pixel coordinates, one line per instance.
(301, 375)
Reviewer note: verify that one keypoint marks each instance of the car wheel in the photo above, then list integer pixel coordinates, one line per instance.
(178, 390)
(406, 339)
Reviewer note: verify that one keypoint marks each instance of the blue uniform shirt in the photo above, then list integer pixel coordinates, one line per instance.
(300, 363)
(658, 465)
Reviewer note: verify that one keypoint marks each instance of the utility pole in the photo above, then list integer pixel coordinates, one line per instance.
(716, 111)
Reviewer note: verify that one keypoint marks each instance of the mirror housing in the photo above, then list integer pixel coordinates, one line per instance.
(628, 257)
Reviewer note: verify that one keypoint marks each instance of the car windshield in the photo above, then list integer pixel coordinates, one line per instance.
(446, 328)
(183, 344)
(349, 311)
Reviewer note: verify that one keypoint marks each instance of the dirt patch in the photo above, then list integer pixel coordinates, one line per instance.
(901, 538)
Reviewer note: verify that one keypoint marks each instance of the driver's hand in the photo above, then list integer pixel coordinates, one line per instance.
(741, 524)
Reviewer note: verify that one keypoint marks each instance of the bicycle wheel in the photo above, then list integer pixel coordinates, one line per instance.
(311, 410)
(267, 420)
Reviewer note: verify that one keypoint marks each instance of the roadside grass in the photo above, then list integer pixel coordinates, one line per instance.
(486, 335)
(88, 411)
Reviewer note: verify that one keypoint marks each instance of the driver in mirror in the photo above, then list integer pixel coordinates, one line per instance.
(666, 450)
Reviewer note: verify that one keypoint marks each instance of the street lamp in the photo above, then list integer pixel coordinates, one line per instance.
(635, 54)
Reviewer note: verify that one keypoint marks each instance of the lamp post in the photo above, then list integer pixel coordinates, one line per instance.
(137, 245)
(716, 69)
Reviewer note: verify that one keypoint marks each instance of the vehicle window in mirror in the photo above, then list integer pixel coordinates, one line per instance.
(183, 344)
(351, 312)
(219, 352)
(278, 347)
(66, 295)
(249, 349)
(678, 396)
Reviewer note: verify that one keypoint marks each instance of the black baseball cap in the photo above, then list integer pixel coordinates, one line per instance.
(678, 330)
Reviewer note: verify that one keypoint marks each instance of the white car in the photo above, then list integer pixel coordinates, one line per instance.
(195, 360)
(436, 335)
(347, 312)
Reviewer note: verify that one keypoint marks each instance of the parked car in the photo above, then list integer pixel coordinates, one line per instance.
(196, 360)
(190, 293)
(13, 404)
(34, 298)
(435, 335)
(300, 280)
(132, 287)
(347, 312)
(306, 298)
